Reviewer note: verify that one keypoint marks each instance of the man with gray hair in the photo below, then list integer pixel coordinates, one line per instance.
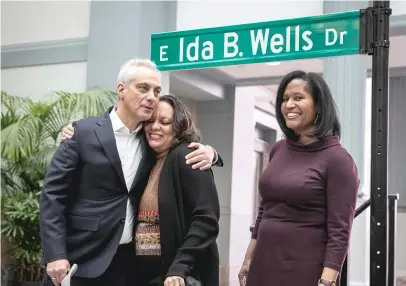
(94, 183)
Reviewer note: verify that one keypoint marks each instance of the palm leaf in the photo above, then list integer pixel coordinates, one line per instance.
(90, 103)
(58, 117)
(11, 103)
(10, 109)
(10, 184)
(40, 160)
(31, 130)
(20, 139)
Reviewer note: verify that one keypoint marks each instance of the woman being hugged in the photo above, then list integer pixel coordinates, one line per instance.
(309, 192)
(177, 222)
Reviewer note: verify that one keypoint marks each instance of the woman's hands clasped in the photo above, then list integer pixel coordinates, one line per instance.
(174, 281)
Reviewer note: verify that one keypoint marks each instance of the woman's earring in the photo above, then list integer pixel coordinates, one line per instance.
(317, 118)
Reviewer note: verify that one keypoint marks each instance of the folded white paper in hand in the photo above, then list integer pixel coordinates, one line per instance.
(66, 280)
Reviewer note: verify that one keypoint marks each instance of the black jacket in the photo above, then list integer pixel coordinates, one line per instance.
(189, 213)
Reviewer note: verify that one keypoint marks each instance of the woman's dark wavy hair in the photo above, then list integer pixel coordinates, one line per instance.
(182, 123)
(328, 123)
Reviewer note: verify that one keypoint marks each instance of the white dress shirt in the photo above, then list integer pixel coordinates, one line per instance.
(129, 150)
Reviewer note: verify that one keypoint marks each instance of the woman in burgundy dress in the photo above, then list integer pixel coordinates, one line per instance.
(308, 191)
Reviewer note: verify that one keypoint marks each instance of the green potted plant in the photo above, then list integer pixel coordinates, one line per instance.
(30, 132)
(30, 135)
(20, 230)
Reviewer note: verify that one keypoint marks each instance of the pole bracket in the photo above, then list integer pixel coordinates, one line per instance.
(366, 29)
(384, 43)
(384, 11)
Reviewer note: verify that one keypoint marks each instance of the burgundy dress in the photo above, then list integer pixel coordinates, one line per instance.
(308, 194)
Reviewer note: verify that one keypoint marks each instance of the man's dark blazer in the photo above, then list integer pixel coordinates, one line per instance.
(189, 212)
(84, 197)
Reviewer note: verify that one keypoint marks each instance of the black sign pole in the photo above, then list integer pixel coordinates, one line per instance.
(379, 151)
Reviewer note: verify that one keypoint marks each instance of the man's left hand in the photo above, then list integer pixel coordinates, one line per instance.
(174, 281)
(202, 157)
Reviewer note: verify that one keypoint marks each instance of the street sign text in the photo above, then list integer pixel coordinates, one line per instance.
(300, 38)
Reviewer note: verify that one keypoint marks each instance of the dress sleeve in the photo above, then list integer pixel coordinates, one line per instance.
(254, 234)
(341, 197)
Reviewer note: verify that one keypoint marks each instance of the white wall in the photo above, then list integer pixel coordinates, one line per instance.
(400, 258)
(207, 14)
(266, 119)
(398, 7)
(39, 81)
(358, 265)
(191, 104)
(242, 198)
(36, 21)
(215, 120)
(396, 162)
(367, 139)
(262, 117)
(358, 254)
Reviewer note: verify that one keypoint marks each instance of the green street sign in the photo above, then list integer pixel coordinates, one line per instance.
(292, 39)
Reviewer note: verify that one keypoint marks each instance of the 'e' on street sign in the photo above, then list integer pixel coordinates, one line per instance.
(300, 38)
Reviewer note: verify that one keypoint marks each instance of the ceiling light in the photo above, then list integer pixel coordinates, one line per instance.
(273, 63)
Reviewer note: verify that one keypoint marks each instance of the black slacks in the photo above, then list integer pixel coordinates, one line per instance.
(148, 271)
(119, 272)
